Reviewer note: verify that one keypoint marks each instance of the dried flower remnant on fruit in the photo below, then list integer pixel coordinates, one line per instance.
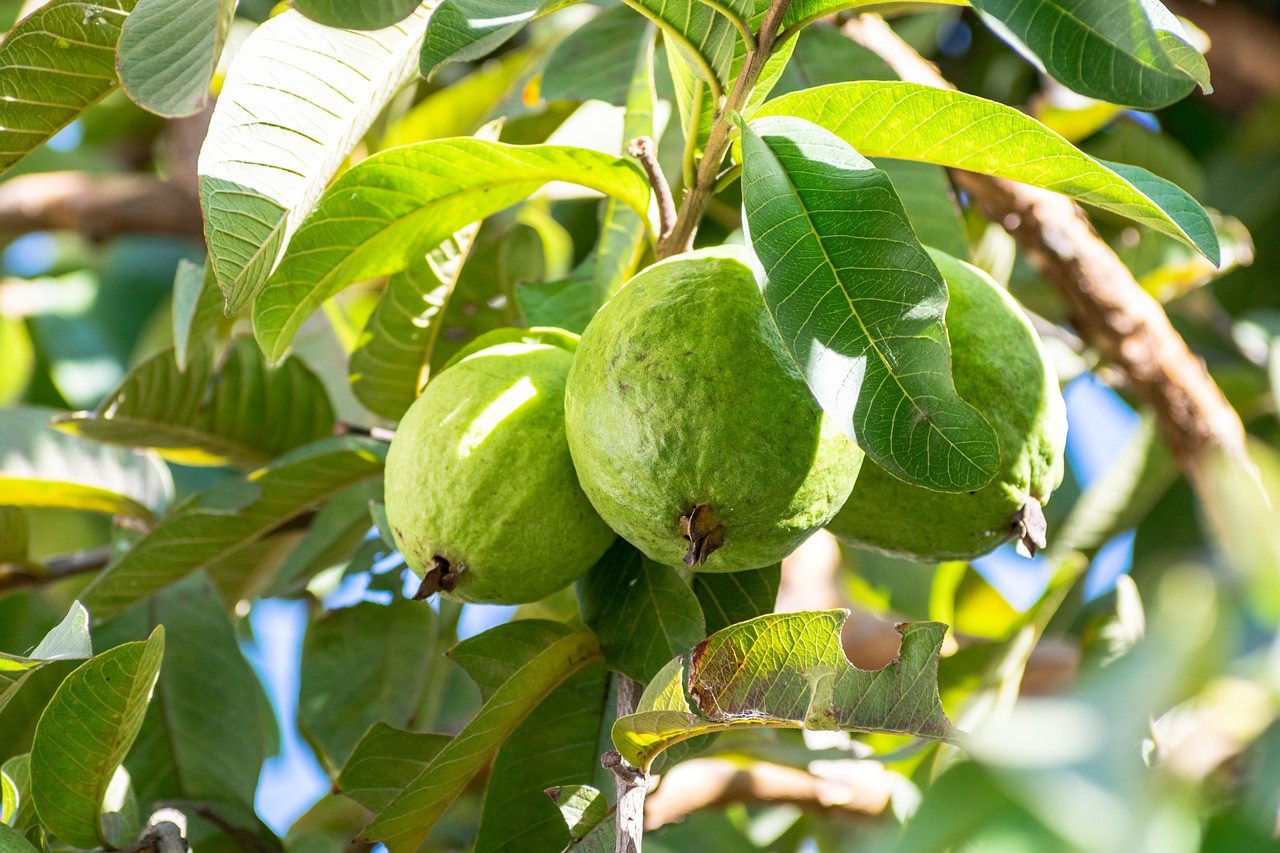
(703, 532)
(441, 577)
(1030, 528)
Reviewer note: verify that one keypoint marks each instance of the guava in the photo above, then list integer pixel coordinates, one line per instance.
(481, 495)
(692, 430)
(1000, 368)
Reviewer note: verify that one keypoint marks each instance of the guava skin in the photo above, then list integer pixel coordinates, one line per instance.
(1000, 368)
(479, 479)
(692, 430)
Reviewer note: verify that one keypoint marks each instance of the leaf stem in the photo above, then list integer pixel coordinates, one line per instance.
(695, 200)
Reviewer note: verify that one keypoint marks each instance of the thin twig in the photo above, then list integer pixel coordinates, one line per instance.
(1106, 304)
(342, 428)
(631, 784)
(644, 150)
(20, 575)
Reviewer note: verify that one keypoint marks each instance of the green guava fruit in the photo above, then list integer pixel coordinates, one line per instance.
(1000, 368)
(692, 430)
(481, 495)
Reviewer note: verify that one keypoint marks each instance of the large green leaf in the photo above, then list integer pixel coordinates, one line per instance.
(238, 412)
(860, 304)
(337, 531)
(203, 737)
(1130, 52)
(365, 15)
(55, 64)
(492, 657)
(40, 466)
(463, 30)
(787, 670)
(644, 613)
(926, 195)
(213, 525)
(12, 841)
(913, 122)
(297, 98)
(731, 597)
(168, 51)
(398, 204)
(364, 665)
(384, 762)
(392, 358)
(197, 311)
(84, 735)
(69, 640)
(405, 822)
(597, 60)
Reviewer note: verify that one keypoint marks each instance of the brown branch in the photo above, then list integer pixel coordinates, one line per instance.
(631, 784)
(14, 576)
(1244, 51)
(862, 792)
(644, 150)
(97, 206)
(1107, 306)
(697, 196)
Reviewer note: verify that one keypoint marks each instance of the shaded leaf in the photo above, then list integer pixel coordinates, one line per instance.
(598, 59)
(213, 525)
(788, 670)
(600, 838)
(14, 535)
(197, 310)
(463, 30)
(492, 657)
(84, 735)
(1130, 52)
(860, 304)
(168, 51)
(297, 98)
(381, 214)
(240, 412)
(12, 841)
(581, 806)
(384, 762)
(927, 197)
(365, 15)
(731, 597)
(909, 121)
(364, 665)
(825, 55)
(15, 792)
(40, 466)
(339, 527)
(405, 822)
(802, 12)
(643, 612)
(68, 640)
(44, 84)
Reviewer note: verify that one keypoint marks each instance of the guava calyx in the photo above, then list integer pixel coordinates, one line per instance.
(441, 577)
(1030, 528)
(704, 533)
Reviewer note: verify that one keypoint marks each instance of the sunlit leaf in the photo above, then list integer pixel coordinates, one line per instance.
(913, 122)
(84, 735)
(365, 15)
(860, 304)
(15, 792)
(581, 806)
(297, 98)
(787, 670)
(168, 50)
(397, 204)
(238, 412)
(212, 525)
(44, 82)
(405, 822)
(69, 640)
(40, 466)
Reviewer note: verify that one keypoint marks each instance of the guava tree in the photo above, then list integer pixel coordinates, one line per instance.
(678, 330)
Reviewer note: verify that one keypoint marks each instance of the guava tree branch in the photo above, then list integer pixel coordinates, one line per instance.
(630, 784)
(15, 576)
(696, 197)
(646, 152)
(1107, 306)
(97, 206)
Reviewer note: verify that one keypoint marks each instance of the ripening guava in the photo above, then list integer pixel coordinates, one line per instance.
(481, 494)
(1000, 368)
(691, 428)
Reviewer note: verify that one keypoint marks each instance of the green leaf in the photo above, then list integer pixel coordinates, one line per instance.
(197, 310)
(405, 822)
(42, 467)
(392, 358)
(913, 122)
(597, 60)
(644, 613)
(296, 100)
(339, 528)
(203, 738)
(69, 640)
(14, 535)
(803, 12)
(728, 598)
(84, 735)
(926, 194)
(213, 525)
(240, 412)
(365, 15)
(559, 743)
(55, 64)
(1129, 52)
(860, 304)
(492, 657)
(363, 665)
(600, 838)
(581, 806)
(15, 792)
(825, 55)
(463, 30)
(788, 670)
(384, 762)
(390, 208)
(12, 841)
(168, 51)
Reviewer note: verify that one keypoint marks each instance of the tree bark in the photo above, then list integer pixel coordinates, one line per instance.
(97, 206)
